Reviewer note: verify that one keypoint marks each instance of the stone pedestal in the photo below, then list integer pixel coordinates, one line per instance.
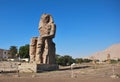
(47, 67)
(34, 68)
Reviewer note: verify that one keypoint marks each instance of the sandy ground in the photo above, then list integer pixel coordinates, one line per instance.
(81, 73)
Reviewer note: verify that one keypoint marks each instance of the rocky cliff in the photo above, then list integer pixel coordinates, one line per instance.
(113, 50)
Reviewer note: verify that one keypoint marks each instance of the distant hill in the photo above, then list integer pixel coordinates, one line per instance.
(113, 50)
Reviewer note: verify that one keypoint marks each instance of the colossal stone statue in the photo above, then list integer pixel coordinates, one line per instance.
(42, 48)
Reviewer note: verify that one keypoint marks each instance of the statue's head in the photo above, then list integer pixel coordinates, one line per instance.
(45, 19)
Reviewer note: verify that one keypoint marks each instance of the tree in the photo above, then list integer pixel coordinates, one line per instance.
(79, 60)
(87, 60)
(13, 51)
(57, 57)
(59, 60)
(64, 60)
(68, 60)
(24, 51)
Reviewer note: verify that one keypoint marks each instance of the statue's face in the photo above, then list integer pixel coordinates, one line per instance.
(46, 19)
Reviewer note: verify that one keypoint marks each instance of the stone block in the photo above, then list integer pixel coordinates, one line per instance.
(27, 68)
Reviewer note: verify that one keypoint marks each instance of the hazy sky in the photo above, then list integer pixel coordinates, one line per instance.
(83, 26)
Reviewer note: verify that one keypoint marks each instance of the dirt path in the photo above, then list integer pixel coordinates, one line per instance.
(101, 73)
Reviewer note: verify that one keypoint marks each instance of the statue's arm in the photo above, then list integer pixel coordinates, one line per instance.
(52, 32)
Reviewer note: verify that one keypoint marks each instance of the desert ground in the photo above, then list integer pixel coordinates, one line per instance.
(80, 73)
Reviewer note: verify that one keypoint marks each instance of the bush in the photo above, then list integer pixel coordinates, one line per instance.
(113, 61)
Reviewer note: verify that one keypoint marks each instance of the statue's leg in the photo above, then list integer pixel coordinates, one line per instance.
(39, 51)
(32, 55)
(33, 49)
(50, 52)
(45, 53)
